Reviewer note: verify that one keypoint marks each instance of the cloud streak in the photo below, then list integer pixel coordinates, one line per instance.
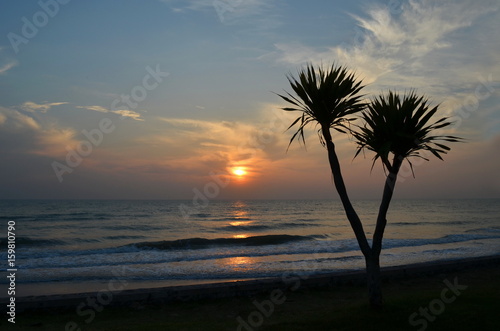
(256, 13)
(99, 109)
(124, 113)
(43, 108)
(13, 120)
(6, 67)
(27, 135)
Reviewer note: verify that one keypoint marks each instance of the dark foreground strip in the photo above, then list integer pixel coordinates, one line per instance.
(249, 287)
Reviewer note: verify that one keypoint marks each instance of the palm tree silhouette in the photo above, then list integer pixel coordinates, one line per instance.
(392, 126)
(396, 127)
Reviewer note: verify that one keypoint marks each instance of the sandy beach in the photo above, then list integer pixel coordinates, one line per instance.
(190, 307)
(117, 295)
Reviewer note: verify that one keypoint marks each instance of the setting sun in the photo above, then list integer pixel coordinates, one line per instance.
(239, 172)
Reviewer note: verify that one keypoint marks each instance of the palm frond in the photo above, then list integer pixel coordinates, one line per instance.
(402, 127)
(326, 96)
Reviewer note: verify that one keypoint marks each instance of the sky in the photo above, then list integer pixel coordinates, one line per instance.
(176, 99)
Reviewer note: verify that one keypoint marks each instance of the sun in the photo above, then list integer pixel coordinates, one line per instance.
(239, 171)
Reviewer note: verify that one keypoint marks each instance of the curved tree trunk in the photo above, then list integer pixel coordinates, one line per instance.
(390, 184)
(351, 214)
(373, 261)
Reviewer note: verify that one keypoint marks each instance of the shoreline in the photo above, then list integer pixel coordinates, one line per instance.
(245, 288)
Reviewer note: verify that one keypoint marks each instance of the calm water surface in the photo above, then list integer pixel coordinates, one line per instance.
(74, 246)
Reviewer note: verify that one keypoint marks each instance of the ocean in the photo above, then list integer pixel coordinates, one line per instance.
(80, 246)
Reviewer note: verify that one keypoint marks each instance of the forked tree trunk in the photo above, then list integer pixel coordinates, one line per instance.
(373, 261)
(373, 281)
(371, 254)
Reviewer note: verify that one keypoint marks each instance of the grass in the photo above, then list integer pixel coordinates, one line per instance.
(339, 308)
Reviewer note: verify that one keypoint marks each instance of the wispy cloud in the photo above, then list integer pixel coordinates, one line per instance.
(182, 6)
(6, 67)
(16, 120)
(95, 108)
(244, 7)
(257, 13)
(122, 112)
(223, 134)
(43, 108)
(54, 141)
(397, 48)
(36, 138)
(444, 49)
(129, 114)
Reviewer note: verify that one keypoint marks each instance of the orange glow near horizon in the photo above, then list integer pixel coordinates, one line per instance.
(240, 236)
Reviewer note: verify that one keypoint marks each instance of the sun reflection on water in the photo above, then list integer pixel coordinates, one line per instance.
(239, 263)
(240, 223)
(238, 214)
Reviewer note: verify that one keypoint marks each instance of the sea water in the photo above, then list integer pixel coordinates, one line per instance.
(80, 246)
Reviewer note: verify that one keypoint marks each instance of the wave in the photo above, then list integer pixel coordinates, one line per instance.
(297, 224)
(224, 219)
(245, 228)
(202, 215)
(78, 216)
(166, 255)
(448, 239)
(27, 241)
(261, 227)
(133, 227)
(17, 218)
(123, 237)
(431, 223)
(494, 229)
(200, 249)
(199, 243)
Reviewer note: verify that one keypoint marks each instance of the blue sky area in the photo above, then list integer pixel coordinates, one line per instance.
(163, 99)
